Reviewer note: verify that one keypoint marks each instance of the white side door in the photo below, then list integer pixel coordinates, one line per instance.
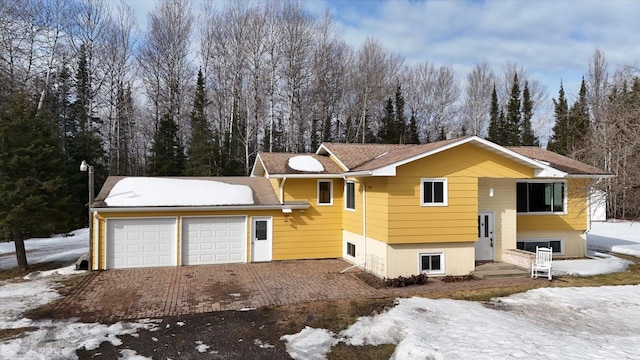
(485, 245)
(261, 238)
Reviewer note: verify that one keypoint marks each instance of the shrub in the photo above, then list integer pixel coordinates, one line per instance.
(402, 281)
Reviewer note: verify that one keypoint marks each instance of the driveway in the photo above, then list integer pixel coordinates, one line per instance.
(115, 295)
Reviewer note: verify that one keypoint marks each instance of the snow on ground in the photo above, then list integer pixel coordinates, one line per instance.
(39, 250)
(305, 163)
(49, 339)
(622, 237)
(598, 264)
(147, 191)
(546, 323)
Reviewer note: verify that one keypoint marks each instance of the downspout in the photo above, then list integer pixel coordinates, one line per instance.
(281, 186)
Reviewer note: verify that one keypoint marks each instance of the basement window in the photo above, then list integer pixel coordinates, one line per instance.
(530, 245)
(351, 249)
(432, 263)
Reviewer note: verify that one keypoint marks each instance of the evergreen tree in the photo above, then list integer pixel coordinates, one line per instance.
(327, 134)
(412, 134)
(201, 152)
(33, 200)
(400, 120)
(527, 136)
(167, 155)
(494, 133)
(559, 140)
(121, 154)
(513, 117)
(441, 134)
(579, 123)
(386, 132)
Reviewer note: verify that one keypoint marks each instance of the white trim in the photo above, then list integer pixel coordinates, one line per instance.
(340, 163)
(434, 253)
(330, 181)
(565, 200)
(346, 195)
(306, 176)
(562, 247)
(445, 190)
(202, 208)
(253, 169)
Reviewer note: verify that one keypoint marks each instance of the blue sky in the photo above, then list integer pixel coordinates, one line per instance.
(552, 40)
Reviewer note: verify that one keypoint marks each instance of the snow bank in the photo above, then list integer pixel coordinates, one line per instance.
(546, 323)
(310, 344)
(39, 250)
(305, 163)
(622, 237)
(142, 191)
(600, 264)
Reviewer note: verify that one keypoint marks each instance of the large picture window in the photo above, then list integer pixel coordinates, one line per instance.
(433, 192)
(350, 195)
(541, 197)
(432, 263)
(325, 192)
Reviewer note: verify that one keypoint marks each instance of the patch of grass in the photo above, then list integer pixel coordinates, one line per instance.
(366, 352)
(10, 334)
(334, 315)
(488, 294)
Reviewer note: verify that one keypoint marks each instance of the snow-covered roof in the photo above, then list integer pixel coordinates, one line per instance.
(305, 163)
(148, 191)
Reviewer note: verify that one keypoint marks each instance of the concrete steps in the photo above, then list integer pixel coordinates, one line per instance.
(499, 270)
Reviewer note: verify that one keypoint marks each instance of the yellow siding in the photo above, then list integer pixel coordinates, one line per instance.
(403, 259)
(461, 166)
(574, 219)
(313, 233)
(352, 220)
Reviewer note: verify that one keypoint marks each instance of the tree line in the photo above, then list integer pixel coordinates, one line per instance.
(201, 95)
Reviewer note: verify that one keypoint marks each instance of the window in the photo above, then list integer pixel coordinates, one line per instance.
(351, 249)
(540, 197)
(432, 263)
(350, 195)
(325, 192)
(260, 229)
(433, 192)
(530, 245)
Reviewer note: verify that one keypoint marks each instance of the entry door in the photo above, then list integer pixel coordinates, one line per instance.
(485, 244)
(261, 239)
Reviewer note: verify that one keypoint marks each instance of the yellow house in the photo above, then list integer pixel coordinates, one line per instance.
(393, 210)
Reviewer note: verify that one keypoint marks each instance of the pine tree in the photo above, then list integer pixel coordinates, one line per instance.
(400, 127)
(527, 136)
(494, 133)
(412, 132)
(559, 140)
(579, 123)
(33, 193)
(513, 117)
(386, 132)
(201, 152)
(167, 155)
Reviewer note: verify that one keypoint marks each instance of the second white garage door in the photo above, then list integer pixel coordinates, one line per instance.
(214, 240)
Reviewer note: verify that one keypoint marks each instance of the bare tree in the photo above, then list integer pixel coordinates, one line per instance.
(475, 109)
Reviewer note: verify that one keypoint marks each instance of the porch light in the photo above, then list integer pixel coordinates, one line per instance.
(491, 192)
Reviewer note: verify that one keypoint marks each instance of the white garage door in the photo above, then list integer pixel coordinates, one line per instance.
(133, 243)
(214, 240)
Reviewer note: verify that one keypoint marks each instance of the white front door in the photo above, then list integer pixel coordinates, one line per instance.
(261, 241)
(485, 244)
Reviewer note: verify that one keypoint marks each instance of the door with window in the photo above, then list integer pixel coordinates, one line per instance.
(261, 239)
(486, 242)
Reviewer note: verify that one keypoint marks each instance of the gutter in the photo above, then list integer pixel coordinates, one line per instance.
(294, 206)
(281, 186)
(306, 176)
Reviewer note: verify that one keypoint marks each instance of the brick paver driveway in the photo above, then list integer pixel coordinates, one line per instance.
(155, 292)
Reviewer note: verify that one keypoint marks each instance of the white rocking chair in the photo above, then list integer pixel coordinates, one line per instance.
(542, 264)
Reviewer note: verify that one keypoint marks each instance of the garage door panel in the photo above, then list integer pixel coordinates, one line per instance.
(213, 240)
(141, 242)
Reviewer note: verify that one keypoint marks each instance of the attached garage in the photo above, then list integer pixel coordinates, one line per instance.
(133, 243)
(214, 240)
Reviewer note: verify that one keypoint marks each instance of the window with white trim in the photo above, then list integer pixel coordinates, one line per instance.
(432, 263)
(541, 197)
(433, 192)
(325, 192)
(350, 195)
(351, 249)
(556, 245)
